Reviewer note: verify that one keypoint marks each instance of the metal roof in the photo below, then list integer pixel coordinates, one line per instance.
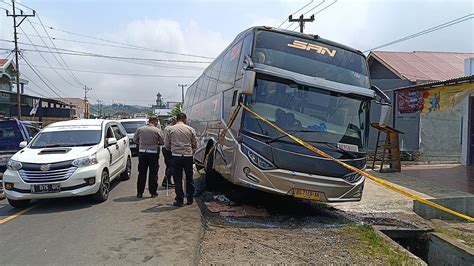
(423, 65)
(456, 81)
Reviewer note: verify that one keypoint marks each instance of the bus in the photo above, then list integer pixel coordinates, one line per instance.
(316, 89)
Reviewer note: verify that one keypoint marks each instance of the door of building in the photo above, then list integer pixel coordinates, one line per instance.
(471, 131)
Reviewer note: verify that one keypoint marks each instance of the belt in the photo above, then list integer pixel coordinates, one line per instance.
(148, 150)
(182, 155)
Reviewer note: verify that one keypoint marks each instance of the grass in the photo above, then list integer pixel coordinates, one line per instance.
(377, 248)
(467, 239)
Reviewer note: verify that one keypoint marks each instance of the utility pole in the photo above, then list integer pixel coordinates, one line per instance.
(15, 25)
(301, 20)
(99, 108)
(86, 102)
(182, 92)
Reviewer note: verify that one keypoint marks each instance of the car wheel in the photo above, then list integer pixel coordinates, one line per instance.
(103, 193)
(128, 170)
(19, 203)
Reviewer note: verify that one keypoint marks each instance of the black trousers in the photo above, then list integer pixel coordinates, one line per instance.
(169, 164)
(181, 163)
(148, 162)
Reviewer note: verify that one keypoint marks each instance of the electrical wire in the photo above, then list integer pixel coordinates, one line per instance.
(65, 64)
(129, 45)
(42, 78)
(121, 74)
(423, 32)
(307, 13)
(284, 21)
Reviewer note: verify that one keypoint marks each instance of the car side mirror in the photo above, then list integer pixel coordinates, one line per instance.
(385, 106)
(111, 141)
(23, 144)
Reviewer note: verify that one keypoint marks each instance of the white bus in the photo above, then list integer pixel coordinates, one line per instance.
(314, 88)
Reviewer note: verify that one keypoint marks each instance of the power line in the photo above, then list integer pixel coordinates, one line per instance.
(41, 77)
(306, 13)
(129, 45)
(319, 11)
(121, 74)
(30, 80)
(46, 60)
(423, 32)
(294, 13)
(67, 66)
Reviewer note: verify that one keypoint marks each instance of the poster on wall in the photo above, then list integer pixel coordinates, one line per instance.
(445, 98)
(410, 101)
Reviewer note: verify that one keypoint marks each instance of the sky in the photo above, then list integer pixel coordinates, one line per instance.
(204, 28)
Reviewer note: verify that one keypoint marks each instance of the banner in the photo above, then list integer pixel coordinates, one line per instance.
(438, 99)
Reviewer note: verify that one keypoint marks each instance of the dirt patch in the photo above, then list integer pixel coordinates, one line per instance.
(347, 244)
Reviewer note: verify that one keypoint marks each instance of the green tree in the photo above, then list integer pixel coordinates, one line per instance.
(176, 110)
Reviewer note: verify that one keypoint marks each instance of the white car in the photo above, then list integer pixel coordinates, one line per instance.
(71, 158)
(131, 126)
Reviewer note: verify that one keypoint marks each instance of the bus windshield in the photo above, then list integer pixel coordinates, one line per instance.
(313, 114)
(311, 58)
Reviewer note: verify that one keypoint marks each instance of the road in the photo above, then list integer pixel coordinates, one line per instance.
(122, 230)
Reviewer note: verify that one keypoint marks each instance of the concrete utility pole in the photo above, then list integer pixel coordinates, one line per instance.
(86, 103)
(182, 92)
(99, 108)
(301, 20)
(15, 25)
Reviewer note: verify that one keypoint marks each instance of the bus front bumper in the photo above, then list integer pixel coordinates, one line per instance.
(300, 185)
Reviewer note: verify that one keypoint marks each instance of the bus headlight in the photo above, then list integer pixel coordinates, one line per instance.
(257, 159)
(14, 165)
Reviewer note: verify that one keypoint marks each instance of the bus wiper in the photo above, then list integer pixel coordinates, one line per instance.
(291, 132)
(333, 145)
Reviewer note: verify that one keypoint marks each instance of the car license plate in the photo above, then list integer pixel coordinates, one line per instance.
(307, 194)
(45, 188)
(133, 146)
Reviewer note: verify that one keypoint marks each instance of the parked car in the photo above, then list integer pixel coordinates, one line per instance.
(71, 158)
(12, 132)
(131, 126)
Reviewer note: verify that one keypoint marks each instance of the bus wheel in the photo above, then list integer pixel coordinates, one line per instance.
(211, 178)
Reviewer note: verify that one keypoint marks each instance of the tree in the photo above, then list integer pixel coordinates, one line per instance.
(176, 110)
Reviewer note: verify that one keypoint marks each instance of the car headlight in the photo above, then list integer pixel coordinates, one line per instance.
(257, 159)
(85, 161)
(14, 165)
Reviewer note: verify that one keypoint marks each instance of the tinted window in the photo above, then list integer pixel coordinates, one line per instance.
(32, 131)
(117, 132)
(7, 132)
(311, 58)
(132, 126)
(246, 50)
(230, 63)
(68, 138)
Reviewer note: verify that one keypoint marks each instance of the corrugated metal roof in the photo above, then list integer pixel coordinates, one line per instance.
(3, 62)
(421, 65)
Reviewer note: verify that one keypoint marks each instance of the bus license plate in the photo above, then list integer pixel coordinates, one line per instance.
(45, 188)
(306, 194)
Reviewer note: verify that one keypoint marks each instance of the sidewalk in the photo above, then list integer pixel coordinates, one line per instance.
(437, 181)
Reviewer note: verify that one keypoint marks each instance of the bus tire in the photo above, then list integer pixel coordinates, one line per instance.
(210, 179)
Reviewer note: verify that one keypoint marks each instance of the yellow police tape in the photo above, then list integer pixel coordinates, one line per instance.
(352, 168)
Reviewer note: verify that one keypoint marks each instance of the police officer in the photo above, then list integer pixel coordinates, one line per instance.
(181, 140)
(167, 180)
(149, 139)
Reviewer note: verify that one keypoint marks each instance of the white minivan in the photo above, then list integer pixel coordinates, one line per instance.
(71, 158)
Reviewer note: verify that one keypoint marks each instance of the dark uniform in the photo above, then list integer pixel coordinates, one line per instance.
(181, 140)
(149, 139)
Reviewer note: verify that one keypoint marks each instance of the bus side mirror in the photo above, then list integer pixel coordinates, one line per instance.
(385, 106)
(248, 82)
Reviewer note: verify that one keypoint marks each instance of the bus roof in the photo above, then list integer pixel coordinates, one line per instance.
(301, 35)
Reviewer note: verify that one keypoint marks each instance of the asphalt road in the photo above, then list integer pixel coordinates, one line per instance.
(122, 230)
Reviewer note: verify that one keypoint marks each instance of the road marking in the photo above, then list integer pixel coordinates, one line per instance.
(13, 216)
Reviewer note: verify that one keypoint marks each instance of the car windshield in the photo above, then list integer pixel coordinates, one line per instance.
(313, 114)
(131, 126)
(311, 58)
(70, 138)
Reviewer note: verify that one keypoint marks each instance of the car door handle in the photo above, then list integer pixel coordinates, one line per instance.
(116, 146)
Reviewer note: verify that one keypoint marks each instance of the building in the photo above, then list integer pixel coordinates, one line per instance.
(78, 103)
(392, 70)
(33, 108)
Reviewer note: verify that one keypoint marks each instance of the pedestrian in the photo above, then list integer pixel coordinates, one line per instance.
(181, 141)
(149, 139)
(168, 179)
